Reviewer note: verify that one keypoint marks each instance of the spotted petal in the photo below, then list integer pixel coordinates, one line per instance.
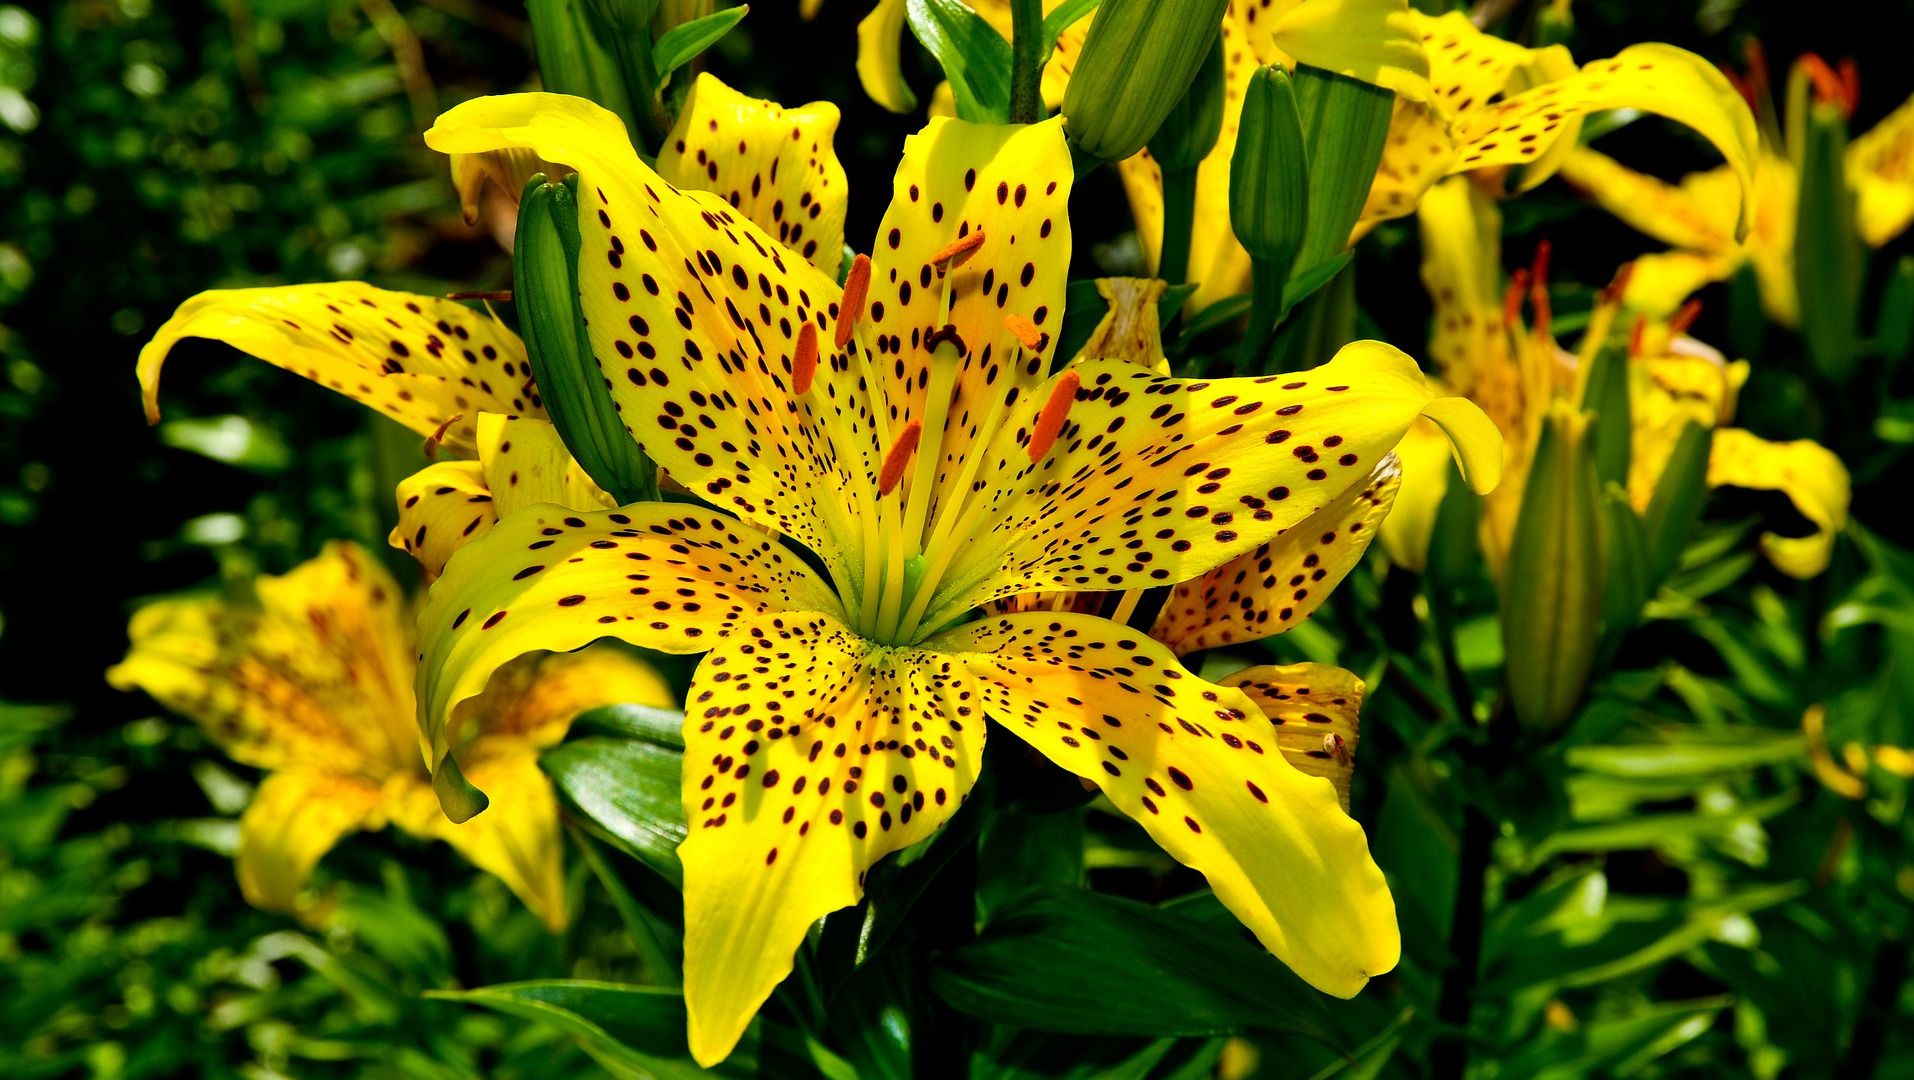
(1461, 267)
(1279, 584)
(1315, 708)
(319, 676)
(428, 363)
(1156, 480)
(666, 577)
(1013, 184)
(1652, 77)
(810, 754)
(776, 166)
(694, 312)
(440, 508)
(1198, 767)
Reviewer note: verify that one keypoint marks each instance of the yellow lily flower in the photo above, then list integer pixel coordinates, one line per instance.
(313, 684)
(1847, 776)
(1483, 351)
(1691, 216)
(923, 453)
(1466, 102)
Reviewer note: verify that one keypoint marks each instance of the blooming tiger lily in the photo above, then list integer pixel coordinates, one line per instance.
(906, 431)
(1692, 216)
(313, 683)
(1513, 371)
(1466, 102)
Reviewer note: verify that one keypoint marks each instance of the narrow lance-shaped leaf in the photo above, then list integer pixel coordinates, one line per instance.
(1677, 502)
(686, 40)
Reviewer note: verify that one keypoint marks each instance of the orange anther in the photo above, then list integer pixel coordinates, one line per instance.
(1851, 81)
(958, 251)
(899, 456)
(1635, 335)
(1026, 331)
(1512, 299)
(1538, 288)
(804, 361)
(1756, 58)
(1827, 85)
(1618, 286)
(1684, 318)
(857, 287)
(1055, 412)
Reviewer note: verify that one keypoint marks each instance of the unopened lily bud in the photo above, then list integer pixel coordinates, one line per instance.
(1138, 59)
(1829, 260)
(1552, 591)
(1189, 132)
(573, 57)
(1269, 172)
(545, 288)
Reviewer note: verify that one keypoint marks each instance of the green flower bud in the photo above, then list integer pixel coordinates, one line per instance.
(572, 60)
(1137, 60)
(1190, 131)
(1677, 502)
(576, 395)
(1269, 172)
(1829, 260)
(1552, 597)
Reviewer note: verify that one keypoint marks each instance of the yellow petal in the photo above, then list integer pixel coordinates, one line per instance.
(1652, 77)
(1276, 586)
(695, 313)
(1809, 474)
(535, 698)
(318, 676)
(517, 839)
(526, 463)
(1461, 267)
(1315, 708)
(1197, 766)
(1418, 152)
(1698, 214)
(1666, 394)
(776, 166)
(1205, 470)
(1424, 456)
(1661, 283)
(508, 169)
(296, 816)
(658, 575)
(426, 362)
(1377, 41)
(1130, 329)
(1880, 166)
(1012, 183)
(810, 754)
(440, 508)
(879, 61)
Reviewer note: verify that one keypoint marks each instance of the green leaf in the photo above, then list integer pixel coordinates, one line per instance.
(1829, 258)
(687, 39)
(1061, 18)
(629, 789)
(660, 727)
(1345, 124)
(635, 1031)
(975, 57)
(1021, 851)
(1606, 395)
(1690, 752)
(1076, 962)
(234, 440)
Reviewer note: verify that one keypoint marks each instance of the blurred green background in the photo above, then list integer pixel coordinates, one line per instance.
(149, 150)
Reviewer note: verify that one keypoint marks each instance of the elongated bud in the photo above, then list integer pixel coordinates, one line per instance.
(572, 57)
(576, 396)
(899, 456)
(1269, 172)
(1829, 259)
(1676, 505)
(804, 359)
(1137, 61)
(1055, 411)
(1552, 590)
(857, 288)
(1189, 132)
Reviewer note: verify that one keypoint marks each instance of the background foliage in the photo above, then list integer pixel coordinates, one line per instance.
(1674, 893)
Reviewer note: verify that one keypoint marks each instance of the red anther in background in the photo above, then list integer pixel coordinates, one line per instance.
(1684, 318)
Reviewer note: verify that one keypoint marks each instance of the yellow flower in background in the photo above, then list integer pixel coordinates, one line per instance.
(1847, 776)
(313, 684)
(1483, 351)
(1694, 215)
(907, 431)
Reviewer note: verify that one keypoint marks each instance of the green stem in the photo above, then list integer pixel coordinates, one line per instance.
(1179, 220)
(1026, 61)
(633, 49)
(1265, 311)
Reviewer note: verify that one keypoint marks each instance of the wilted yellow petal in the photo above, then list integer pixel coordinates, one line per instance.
(1129, 330)
(1809, 474)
